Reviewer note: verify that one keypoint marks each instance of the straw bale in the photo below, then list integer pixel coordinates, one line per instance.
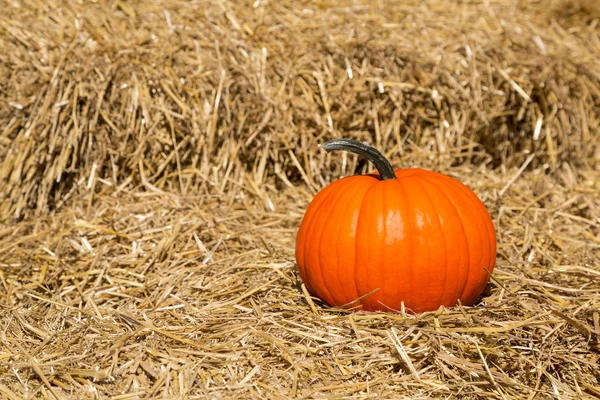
(156, 159)
(148, 88)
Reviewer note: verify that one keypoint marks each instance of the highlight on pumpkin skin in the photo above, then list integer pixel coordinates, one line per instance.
(422, 239)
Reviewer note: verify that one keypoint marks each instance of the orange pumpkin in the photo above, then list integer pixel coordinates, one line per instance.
(406, 236)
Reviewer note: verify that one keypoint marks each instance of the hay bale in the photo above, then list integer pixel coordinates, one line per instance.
(152, 88)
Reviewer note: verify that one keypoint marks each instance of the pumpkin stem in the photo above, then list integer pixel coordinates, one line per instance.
(354, 146)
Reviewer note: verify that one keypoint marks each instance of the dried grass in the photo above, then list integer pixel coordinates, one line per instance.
(156, 159)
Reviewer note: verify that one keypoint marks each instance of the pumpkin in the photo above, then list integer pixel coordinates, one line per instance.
(406, 239)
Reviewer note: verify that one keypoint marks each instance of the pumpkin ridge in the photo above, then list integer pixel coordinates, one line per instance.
(476, 201)
(307, 226)
(410, 242)
(359, 303)
(433, 206)
(348, 199)
(456, 214)
(462, 285)
(356, 252)
(467, 197)
(489, 227)
(325, 217)
(436, 183)
(313, 224)
(386, 282)
(381, 243)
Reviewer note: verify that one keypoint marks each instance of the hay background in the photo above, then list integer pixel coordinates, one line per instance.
(156, 159)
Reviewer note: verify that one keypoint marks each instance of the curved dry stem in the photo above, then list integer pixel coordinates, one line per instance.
(386, 171)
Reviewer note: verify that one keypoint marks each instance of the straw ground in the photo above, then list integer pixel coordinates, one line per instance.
(156, 159)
